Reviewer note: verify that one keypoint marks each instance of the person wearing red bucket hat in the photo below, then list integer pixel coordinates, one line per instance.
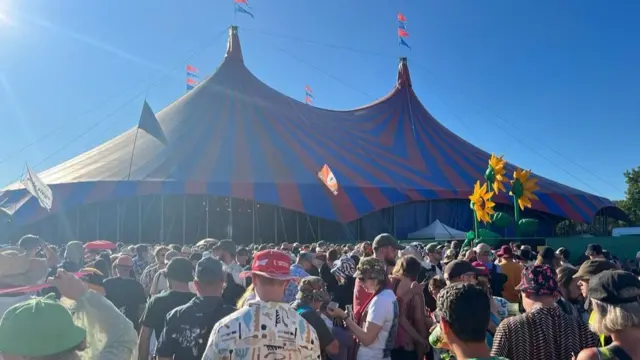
(270, 323)
(512, 270)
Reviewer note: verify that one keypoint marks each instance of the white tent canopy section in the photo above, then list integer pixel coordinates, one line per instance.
(438, 231)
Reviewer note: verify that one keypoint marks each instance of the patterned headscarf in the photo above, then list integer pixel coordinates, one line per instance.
(420, 247)
(371, 268)
(312, 288)
(345, 267)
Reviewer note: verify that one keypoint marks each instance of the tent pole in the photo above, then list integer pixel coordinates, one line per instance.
(297, 228)
(162, 219)
(118, 221)
(139, 220)
(253, 222)
(184, 219)
(98, 223)
(230, 231)
(207, 212)
(78, 223)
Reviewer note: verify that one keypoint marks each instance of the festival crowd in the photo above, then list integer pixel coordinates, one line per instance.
(371, 301)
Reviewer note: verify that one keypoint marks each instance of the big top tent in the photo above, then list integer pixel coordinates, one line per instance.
(234, 136)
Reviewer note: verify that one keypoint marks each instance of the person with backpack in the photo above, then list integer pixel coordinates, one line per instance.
(187, 327)
(497, 279)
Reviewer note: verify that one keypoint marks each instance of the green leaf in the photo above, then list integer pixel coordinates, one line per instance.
(501, 219)
(471, 235)
(527, 227)
(485, 234)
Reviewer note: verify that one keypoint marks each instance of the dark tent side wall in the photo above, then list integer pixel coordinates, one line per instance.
(186, 219)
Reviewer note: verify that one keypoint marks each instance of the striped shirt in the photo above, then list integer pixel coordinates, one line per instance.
(544, 333)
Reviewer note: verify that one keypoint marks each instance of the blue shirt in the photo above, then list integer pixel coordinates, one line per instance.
(292, 289)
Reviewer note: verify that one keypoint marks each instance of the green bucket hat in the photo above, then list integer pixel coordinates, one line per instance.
(39, 327)
(371, 268)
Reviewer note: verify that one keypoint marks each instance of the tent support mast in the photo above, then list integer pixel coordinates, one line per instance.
(161, 219)
(78, 223)
(275, 224)
(184, 219)
(139, 220)
(206, 210)
(230, 231)
(297, 228)
(253, 222)
(118, 221)
(98, 222)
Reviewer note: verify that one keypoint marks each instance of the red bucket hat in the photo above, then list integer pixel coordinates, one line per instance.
(273, 264)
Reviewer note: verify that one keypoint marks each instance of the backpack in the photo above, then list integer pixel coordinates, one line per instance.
(496, 280)
(232, 291)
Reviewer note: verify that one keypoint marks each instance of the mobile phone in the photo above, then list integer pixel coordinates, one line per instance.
(332, 305)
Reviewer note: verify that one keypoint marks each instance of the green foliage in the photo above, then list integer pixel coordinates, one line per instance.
(501, 219)
(631, 203)
(527, 227)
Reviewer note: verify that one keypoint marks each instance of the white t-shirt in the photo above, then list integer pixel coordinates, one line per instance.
(382, 310)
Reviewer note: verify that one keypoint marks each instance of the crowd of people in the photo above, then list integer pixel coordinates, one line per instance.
(369, 301)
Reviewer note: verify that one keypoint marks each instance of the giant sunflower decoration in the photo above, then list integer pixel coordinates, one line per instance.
(495, 174)
(481, 202)
(522, 190)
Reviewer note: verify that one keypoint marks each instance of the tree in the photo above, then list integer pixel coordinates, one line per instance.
(631, 203)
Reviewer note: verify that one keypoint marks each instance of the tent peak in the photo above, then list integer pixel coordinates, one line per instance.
(234, 51)
(404, 79)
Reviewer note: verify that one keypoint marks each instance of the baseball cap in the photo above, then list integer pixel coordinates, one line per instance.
(483, 270)
(384, 240)
(180, 269)
(538, 280)
(457, 268)
(482, 248)
(590, 268)
(615, 287)
(595, 249)
(431, 248)
(227, 246)
(272, 264)
(39, 327)
(209, 270)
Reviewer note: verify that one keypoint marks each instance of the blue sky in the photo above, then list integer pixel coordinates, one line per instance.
(552, 85)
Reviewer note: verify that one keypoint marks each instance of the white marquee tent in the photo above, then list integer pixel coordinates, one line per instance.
(438, 231)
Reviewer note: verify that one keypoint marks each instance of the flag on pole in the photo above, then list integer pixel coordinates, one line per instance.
(192, 74)
(328, 179)
(308, 95)
(241, 10)
(39, 189)
(402, 31)
(149, 123)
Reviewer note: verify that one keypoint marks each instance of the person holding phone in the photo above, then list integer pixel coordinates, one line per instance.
(312, 294)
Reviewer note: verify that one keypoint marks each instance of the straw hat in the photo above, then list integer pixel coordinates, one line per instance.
(18, 269)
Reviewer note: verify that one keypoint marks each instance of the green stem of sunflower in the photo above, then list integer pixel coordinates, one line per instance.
(516, 209)
(475, 226)
(489, 189)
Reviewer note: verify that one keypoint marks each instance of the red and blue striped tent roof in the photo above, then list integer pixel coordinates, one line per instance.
(234, 136)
